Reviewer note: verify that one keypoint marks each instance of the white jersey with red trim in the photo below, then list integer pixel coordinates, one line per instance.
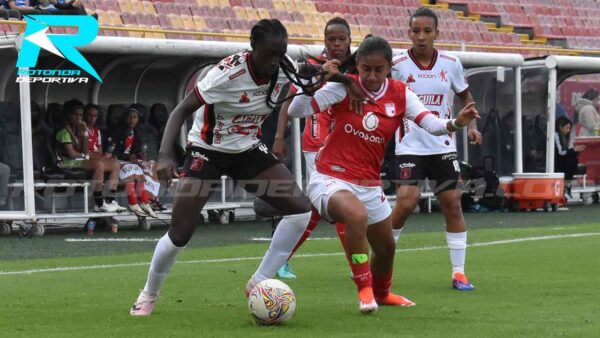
(355, 148)
(433, 84)
(234, 105)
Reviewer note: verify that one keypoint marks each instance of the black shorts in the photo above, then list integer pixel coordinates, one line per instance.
(442, 170)
(211, 165)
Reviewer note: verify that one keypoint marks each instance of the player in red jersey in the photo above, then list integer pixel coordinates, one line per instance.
(231, 101)
(346, 186)
(317, 126)
(434, 76)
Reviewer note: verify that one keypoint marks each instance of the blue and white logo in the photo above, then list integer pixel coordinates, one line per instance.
(36, 36)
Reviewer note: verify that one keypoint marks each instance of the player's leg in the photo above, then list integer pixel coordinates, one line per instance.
(383, 246)
(191, 195)
(272, 181)
(448, 188)
(344, 207)
(409, 174)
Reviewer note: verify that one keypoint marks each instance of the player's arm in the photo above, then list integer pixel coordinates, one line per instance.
(474, 134)
(327, 96)
(279, 148)
(416, 112)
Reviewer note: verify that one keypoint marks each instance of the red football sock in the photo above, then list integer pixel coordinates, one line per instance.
(130, 190)
(382, 284)
(361, 274)
(341, 231)
(314, 220)
(141, 190)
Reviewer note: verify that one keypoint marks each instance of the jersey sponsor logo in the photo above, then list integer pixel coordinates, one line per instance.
(337, 168)
(237, 74)
(431, 99)
(426, 76)
(197, 154)
(449, 156)
(370, 122)
(390, 109)
(244, 98)
(348, 128)
(243, 130)
(248, 118)
(410, 79)
(443, 74)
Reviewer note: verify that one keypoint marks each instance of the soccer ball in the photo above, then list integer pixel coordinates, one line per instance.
(271, 302)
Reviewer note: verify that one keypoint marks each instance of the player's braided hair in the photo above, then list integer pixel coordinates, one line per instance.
(375, 44)
(424, 11)
(273, 27)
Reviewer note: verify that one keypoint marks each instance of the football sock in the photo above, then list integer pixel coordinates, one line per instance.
(288, 233)
(341, 231)
(361, 270)
(141, 191)
(382, 284)
(162, 261)
(457, 243)
(312, 224)
(397, 233)
(98, 198)
(130, 190)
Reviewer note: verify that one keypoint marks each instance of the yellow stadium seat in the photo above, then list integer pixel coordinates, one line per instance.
(240, 13)
(252, 14)
(278, 4)
(125, 6)
(188, 22)
(199, 23)
(103, 18)
(224, 3)
(114, 18)
(263, 13)
(176, 21)
(290, 5)
(214, 3)
(148, 8)
(137, 6)
(310, 6)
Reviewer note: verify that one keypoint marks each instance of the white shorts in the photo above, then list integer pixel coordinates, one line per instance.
(309, 159)
(128, 170)
(151, 185)
(322, 187)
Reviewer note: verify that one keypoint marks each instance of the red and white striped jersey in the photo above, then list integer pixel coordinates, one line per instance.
(233, 105)
(433, 85)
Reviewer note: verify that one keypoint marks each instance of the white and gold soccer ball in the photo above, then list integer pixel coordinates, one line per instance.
(271, 302)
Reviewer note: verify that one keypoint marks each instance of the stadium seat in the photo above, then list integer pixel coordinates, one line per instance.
(125, 6)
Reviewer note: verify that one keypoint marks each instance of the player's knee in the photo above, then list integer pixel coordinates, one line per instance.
(179, 238)
(406, 205)
(358, 218)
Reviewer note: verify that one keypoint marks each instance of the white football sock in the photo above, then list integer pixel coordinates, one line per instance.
(162, 261)
(288, 233)
(457, 243)
(397, 233)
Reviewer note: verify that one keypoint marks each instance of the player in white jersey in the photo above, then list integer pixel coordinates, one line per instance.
(433, 75)
(230, 103)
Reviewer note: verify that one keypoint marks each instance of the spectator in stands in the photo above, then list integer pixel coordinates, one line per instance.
(586, 112)
(565, 158)
(73, 153)
(131, 148)
(4, 176)
(560, 111)
(131, 174)
(62, 6)
(23, 6)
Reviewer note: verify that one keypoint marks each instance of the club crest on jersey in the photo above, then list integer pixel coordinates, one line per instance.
(410, 79)
(197, 161)
(405, 170)
(443, 74)
(244, 98)
(370, 122)
(390, 109)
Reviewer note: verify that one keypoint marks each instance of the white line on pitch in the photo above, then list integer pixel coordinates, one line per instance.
(239, 259)
(111, 239)
(268, 239)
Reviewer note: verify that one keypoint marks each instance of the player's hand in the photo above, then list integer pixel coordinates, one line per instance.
(279, 148)
(474, 136)
(331, 68)
(356, 97)
(166, 170)
(579, 147)
(466, 115)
